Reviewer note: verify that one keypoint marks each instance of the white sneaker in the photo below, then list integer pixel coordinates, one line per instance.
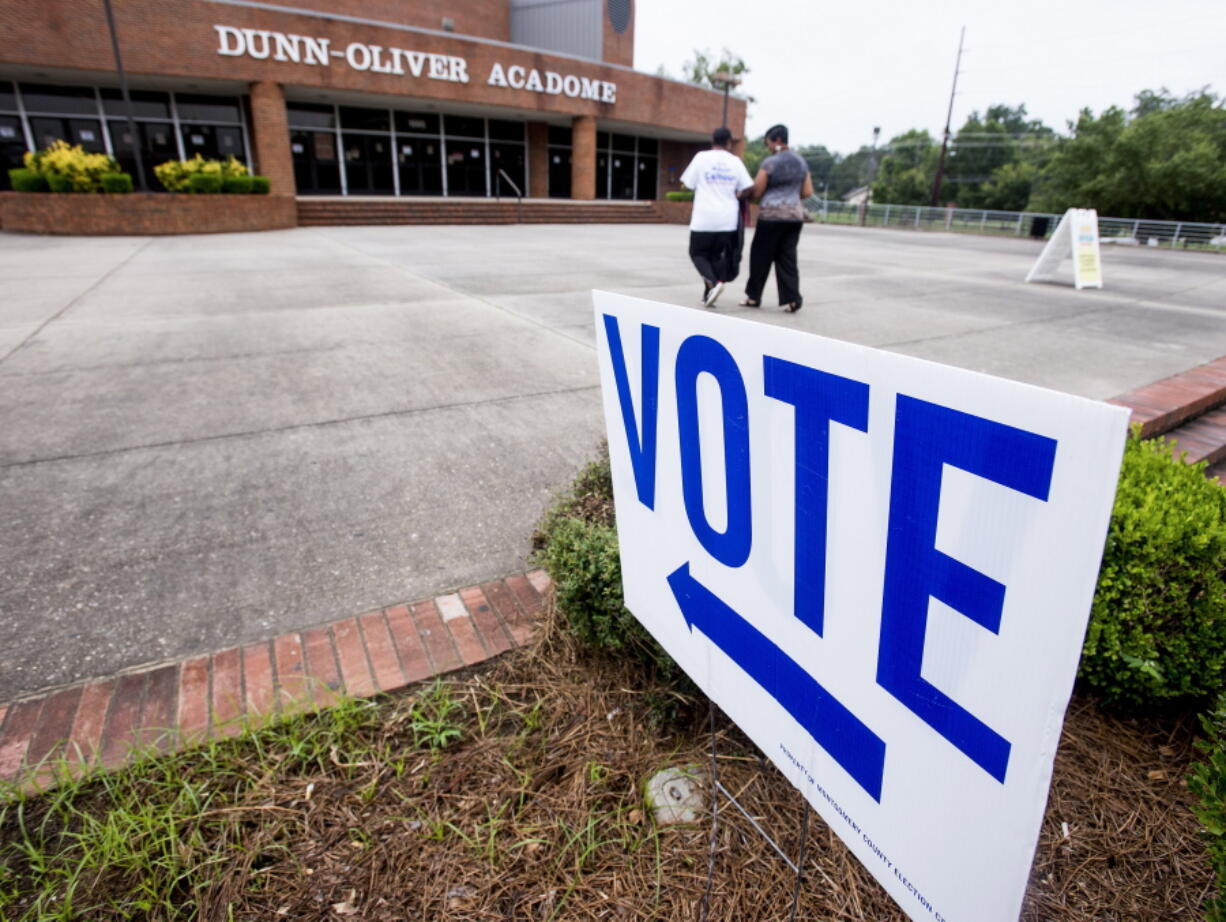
(713, 294)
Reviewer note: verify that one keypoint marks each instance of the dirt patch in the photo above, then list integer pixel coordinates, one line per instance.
(536, 813)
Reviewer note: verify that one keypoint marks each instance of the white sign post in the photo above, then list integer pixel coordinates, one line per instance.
(879, 567)
(1076, 235)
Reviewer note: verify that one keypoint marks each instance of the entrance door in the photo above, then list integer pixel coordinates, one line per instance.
(317, 170)
(368, 164)
(559, 172)
(418, 160)
(465, 167)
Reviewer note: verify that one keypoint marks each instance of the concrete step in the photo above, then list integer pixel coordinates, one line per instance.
(1190, 409)
(353, 211)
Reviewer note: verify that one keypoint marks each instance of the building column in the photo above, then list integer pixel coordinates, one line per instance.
(583, 158)
(270, 137)
(538, 160)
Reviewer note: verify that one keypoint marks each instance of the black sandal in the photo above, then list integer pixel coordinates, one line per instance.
(750, 302)
(793, 306)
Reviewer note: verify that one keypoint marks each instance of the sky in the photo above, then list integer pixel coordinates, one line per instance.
(833, 71)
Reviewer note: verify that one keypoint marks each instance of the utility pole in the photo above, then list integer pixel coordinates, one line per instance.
(936, 185)
(127, 98)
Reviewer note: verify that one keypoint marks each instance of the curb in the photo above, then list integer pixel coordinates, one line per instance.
(1189, 408)
(104, 722)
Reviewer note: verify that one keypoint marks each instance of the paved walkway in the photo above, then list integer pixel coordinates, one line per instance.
(210, 441)
(104, 723)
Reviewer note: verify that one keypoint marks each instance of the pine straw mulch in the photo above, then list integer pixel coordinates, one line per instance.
(537, 814)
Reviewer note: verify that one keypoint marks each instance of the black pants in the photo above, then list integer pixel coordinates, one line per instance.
(774, 243)
(714, 255)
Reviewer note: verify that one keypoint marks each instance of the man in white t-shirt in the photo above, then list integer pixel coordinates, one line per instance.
(717, 176)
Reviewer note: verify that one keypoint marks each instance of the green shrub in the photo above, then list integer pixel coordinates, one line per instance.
(1208, 782)
(204, 184)
(576, 542)
(1158, 624)
(116, 183)
(680, 195)
(26, 180)
(238, 185)
(176, 175)
(70, 168)
(260, 185)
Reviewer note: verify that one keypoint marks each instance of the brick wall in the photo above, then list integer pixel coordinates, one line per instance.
(140, 214)
(482, 18)
(270, 137)
(176, 38)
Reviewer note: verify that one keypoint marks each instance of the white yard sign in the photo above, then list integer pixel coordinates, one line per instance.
(879, 567)
(1076, 235)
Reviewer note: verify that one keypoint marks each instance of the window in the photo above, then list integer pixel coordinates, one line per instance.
(194, 108)
(307, 115)
(417, 123)
(145, 104)
(70, 100)
(355, 119)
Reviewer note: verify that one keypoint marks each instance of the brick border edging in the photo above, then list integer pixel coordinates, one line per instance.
(103, 722)
(1163, 405)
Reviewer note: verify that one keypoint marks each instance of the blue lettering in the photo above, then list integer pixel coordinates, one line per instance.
(819, 398)
(927, 437)
(697, 355)
(642, 452)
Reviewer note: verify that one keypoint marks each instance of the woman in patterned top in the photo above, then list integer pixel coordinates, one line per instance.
(782, 182)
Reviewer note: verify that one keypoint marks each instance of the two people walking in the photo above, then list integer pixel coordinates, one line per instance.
(722, 187)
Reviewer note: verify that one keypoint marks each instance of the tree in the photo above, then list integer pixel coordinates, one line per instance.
(1168, 161)
(906, 173)
(987, 143)
(703, 64)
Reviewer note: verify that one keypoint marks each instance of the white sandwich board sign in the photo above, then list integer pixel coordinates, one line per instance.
(881, 568)
(1076, 235)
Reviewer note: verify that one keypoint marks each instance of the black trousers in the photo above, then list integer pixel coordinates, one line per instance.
(774, 243)
(714, 255)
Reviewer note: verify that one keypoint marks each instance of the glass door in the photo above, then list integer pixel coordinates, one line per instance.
(317, 169)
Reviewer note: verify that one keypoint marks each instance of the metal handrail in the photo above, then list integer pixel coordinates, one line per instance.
(502, 174)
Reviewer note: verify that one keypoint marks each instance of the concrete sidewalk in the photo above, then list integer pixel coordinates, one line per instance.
(210, 441)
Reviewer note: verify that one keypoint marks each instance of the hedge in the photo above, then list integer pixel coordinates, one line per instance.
(116, 183)
(1157, 632)
(26, 180)
(680, 195)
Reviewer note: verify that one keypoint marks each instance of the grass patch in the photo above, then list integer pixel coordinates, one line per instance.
(514, 792)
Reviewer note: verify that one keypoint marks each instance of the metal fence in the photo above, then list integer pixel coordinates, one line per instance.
(1127, 231)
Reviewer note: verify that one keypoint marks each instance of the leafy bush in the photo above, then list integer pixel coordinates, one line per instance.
(26, 180)
(176, 175)
(69, 168)
(116, 183)
(260, 185)
(1208, 782)
(237, 185)
(1158, 624)
(204, 184)
(680, 195)
(576, 542)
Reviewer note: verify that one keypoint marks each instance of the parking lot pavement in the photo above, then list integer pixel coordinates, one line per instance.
(210, 440)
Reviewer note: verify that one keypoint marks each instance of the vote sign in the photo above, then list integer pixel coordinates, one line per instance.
(879, 567)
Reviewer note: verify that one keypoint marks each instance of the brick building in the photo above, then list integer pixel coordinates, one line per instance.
(360, 97)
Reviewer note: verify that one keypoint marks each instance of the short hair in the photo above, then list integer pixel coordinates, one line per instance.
(777, 133)
(721, 137)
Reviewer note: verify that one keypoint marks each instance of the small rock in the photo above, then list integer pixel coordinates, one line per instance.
(677, 795)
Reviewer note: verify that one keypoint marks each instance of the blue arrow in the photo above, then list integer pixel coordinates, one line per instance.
(837, 730)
